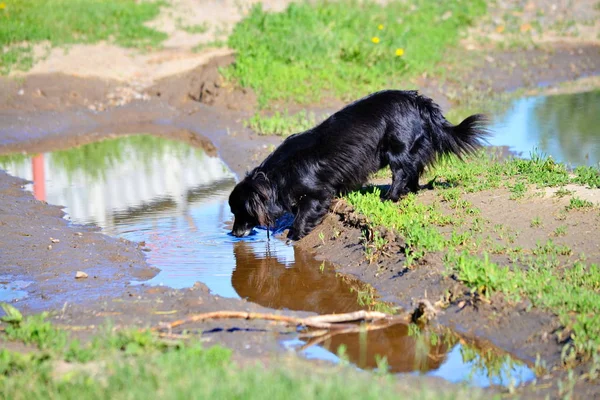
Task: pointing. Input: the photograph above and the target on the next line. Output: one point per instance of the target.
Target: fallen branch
(327, 321)
(328, 324)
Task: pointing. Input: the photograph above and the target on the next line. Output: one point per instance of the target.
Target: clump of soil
(205, 85)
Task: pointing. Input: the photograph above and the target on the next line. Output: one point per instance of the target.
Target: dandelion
(375, 39)
(399, 52)
(500, 28)
(2, 6)
(380, 27)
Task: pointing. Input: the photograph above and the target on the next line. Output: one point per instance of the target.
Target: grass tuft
(282, 124)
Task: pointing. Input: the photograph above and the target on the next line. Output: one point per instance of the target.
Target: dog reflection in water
(305, 286)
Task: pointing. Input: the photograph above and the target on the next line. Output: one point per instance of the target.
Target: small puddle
(566, 127)
(174, 198)
(12, 290)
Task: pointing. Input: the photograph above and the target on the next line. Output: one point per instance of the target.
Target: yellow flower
(399, 52)
(380, 27)
(375, 39)
(2, 6)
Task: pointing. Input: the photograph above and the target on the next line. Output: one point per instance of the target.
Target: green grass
(573, 294)
(546, 274)
(416, 222)
(576, 203)
(328, 47)
(135, 363)
(536, 222)
(588, 176)
(23, 23)
(282, 124)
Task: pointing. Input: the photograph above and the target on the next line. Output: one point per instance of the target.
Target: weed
(576, 203)
(281, 124)
(374, 247)
(562, 192)
(560, 231)
(536, 222)
(322, 238)
(366, 297)
(518, 190)
(481, 275)
(322, 267)
(383, 368)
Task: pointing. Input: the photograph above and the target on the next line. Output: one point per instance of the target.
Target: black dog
(401, 129)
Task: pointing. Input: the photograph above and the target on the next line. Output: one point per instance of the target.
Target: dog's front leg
(404, 180)
(310, 213)
(398, 187)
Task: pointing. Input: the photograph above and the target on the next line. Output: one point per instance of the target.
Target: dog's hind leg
(310, 213)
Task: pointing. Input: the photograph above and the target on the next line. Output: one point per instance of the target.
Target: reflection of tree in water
(571, 123)
(94, 159)
(9, 159)
(304, 285)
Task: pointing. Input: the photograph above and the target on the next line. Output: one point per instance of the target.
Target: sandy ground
(91, 92)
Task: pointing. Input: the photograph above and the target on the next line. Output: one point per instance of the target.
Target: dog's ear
(260, 197)
(260, 176)
(257, 206)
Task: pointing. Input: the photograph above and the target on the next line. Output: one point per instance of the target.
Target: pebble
(80, 275)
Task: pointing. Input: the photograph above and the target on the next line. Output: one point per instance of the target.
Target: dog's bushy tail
(446, 138)
(461, 139)
(464, 138)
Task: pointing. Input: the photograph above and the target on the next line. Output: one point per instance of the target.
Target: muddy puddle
(566, 127)
(173, 199)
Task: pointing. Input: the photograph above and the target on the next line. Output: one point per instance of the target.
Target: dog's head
(251, 203)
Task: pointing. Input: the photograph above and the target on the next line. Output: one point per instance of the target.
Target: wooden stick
(327, 321)
(361, 315)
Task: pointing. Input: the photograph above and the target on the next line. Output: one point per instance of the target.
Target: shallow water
(174, 198)
(566, 127)
(12, 290)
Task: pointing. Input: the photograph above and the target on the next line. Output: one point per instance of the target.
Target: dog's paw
(293, 235)
(391, 197)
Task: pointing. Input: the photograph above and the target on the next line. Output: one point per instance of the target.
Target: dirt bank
(514, 326)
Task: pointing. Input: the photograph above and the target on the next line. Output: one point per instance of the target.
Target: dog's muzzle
(241, 232)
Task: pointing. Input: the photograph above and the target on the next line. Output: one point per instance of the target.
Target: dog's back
(363, 137)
